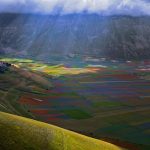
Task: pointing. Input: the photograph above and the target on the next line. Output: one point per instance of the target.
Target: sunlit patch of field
(16, 60)
(60, 70)
(53, 70)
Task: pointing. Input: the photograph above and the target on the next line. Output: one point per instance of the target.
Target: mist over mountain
(103, 7)
(41, 36)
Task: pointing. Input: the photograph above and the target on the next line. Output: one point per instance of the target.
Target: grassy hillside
(16, 82)
(18, 133)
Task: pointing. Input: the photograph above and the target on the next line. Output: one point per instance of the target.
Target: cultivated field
(110, 101)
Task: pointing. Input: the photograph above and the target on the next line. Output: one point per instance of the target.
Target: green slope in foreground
(19, 133)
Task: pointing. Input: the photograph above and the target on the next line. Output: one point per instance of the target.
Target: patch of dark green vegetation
(77, 114)
(107, 104)
(128, 133)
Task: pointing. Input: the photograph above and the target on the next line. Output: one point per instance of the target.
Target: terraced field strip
(145, 96)
(119, 112)
(98, 82)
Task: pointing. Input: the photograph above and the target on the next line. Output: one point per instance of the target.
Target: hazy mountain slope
(41, 36)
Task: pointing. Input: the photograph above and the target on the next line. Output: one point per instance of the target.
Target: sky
(104, 7)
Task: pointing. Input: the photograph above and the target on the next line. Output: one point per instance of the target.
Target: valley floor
(110, 101)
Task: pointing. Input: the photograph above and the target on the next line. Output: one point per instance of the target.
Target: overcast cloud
(105, 7)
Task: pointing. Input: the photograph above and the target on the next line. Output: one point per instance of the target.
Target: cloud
(105, 7)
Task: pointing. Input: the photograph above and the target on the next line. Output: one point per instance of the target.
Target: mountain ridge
(115, 37)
